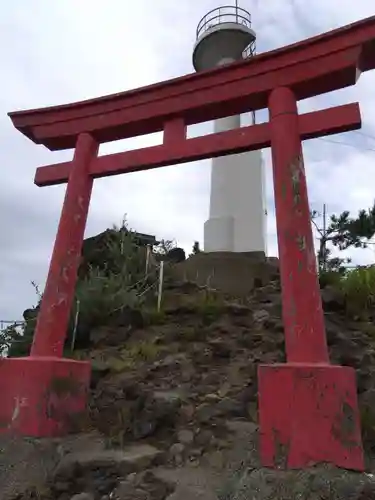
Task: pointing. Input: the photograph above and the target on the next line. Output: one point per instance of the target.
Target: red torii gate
(307, 407)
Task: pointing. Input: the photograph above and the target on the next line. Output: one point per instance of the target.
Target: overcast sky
(55, 52)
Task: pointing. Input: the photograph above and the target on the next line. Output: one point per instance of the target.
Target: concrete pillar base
(309, 414)
(41, 396)
(219, 234)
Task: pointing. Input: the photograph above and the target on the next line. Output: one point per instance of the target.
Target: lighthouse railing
(225, 14)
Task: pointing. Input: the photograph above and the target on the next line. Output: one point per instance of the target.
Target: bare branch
(317, 228)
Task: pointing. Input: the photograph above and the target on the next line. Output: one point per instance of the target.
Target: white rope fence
(4, 323)
(158, 284)
(160, 287)
(74, 336)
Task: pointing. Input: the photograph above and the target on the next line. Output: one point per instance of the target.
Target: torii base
(309, 414)
(42, 396)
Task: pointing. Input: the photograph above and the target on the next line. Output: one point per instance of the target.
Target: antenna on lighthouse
(236, 4)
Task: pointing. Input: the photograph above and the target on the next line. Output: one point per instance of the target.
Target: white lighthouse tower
(237, 216)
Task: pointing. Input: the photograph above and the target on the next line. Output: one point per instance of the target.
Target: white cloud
(63, 51)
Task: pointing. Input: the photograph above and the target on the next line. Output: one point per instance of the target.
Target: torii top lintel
(314, 66)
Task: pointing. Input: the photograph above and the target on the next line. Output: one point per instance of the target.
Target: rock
(177, 449)
(261, 315)
(83, 496)
(332, 299)
(368, 398)
(232, 408)
(212, 397)
(186, 436)
(117, 461)
(324, 482)
(237, 309)
(203, 376)
(248, 394)
(209, 379)
(187, 373)
(215, 459)
(144, 427)
(204, 437)
(220, 348)
(367, 491)
(188, 411)
(224, 389)
(146, 486)
(159, 408)
(127, 491)
(241, 427)
(333, 333)
(132, 478)
(176, 452)
(172, 360)
(98, 372)
(171, 398)
(205, 412)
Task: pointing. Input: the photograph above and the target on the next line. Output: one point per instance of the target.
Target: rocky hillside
(173, 407)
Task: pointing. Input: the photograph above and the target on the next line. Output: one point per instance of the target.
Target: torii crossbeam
(307, 407)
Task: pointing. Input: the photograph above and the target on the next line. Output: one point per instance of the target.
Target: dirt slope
(173, 407)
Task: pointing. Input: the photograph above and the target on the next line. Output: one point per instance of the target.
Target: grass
(367, 328)
(143, 351)
(367, 417)
(210, 307)
(358, 288)
(154, 317)
(330, 278)
(127, 358)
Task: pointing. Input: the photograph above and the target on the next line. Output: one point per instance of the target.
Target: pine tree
(196, 248)
(343, 232)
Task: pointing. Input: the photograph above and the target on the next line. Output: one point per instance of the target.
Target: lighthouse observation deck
(223, 35)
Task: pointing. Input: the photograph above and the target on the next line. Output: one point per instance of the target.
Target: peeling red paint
(309, 414)
(301, 242)
(57, 299)
(45, 408)
(297, 172)
(305, 405)
(302, 309)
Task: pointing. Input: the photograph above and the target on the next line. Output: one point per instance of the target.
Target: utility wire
(357, 146)
(342, 143)
(364, 134)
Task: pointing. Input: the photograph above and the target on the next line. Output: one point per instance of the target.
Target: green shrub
(9, 336)
(144, 351)
(154, 317)
(112, 279)
(367, 418)
(358, 287)
(210, 307)
(330, 278)
(105, 292)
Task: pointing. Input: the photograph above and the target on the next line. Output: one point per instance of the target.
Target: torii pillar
(308, 408)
